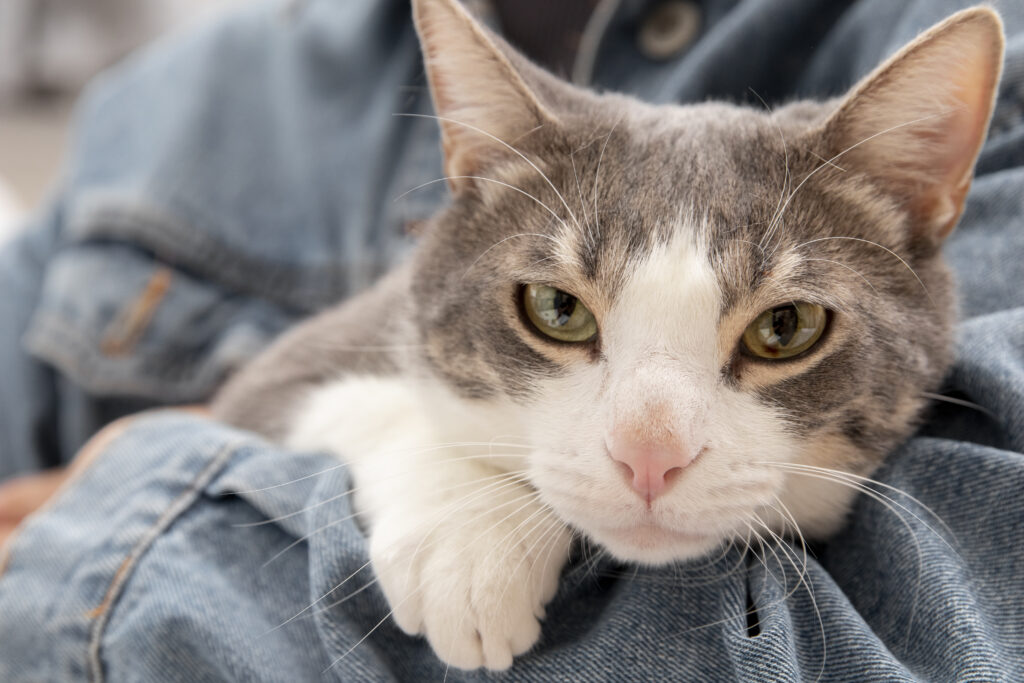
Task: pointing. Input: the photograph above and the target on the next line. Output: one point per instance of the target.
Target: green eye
(785, 331)
(558, 314)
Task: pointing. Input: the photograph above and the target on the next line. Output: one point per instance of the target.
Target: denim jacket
(235, 178)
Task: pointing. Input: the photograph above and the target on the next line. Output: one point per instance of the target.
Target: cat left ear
(482, 101)
(919, 120)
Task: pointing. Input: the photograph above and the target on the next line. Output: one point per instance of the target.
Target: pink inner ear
(962, 135)
(933, 100)
(481, 98)
(953, 148)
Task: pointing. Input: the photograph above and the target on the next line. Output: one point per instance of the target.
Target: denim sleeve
(213, 194)
(137, 571)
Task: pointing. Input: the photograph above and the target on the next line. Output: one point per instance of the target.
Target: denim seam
(118, 217)
(124, 572)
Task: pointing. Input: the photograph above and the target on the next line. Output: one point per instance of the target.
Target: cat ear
(482, 100)
(918, 122)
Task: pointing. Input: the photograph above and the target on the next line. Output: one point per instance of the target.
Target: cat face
(684, 306)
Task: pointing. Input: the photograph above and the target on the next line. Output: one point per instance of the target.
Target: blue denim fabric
(236, 178)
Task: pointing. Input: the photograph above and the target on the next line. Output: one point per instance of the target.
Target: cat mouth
(652, 534)
(652, 543)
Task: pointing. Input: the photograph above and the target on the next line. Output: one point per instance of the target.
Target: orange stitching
(126, 329)
(112, 591)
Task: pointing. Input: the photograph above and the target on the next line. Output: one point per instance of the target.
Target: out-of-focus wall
(48, 50)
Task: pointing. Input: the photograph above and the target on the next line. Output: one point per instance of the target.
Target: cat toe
(497, 654)
(455, 641)
(397, 571)
(523, 636)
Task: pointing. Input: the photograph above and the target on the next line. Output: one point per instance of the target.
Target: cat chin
(654, 545)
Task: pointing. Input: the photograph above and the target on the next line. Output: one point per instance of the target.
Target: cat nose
(652, 465)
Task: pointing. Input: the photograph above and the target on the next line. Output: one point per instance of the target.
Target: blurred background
(49, 49)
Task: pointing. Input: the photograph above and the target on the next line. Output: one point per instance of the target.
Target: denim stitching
(124, 572)
(125, 330)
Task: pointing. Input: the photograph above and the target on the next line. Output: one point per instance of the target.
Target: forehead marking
(670, 302)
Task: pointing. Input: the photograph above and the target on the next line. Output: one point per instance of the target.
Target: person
(234, 179)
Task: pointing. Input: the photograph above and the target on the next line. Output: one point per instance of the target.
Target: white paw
(475, 582)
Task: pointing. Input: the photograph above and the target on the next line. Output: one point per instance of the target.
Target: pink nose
(652, 466)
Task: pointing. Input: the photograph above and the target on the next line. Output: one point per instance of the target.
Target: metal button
(669, 29)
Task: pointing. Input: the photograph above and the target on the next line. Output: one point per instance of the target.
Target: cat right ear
(919, 120)
(483, 103)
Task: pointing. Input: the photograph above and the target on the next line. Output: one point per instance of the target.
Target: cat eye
(558, 314)
(785, 331)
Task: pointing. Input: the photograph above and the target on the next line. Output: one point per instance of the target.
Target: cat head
(687, 307)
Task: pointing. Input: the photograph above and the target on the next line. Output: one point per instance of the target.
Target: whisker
(392, 611)
(506, 145)
(850, 149)
(349, 578)
(959, 402)
(868, 480)
(826, 161)
(786, 178)
(803, 575)
(583, 206)
(768, 572)
(874, 244)
(889, 503)
(843, 265)
(458, 505)
(351, 491)
(597, 174)
(346, 518)
(411, 451)
(502, 241)
(552, 523)
(490, 180)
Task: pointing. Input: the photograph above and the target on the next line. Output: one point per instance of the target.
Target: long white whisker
(502, 241)
(306, 537)
(356, 489)
(583, 205)
(802, 577)
(889, 503)
(392, 611)
(540, 511)
(868, 480)
(843, 265)
(846, 151)
(786, 178)
(506, 145)
(411, 451)
(490, 180)
(446, 513)
(875, 244)
(335, 588)
(959, 402)
(597, 175)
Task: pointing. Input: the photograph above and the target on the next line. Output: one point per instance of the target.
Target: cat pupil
(784, 324)
(563, 305)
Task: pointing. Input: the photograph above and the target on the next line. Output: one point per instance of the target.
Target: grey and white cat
(642, 324)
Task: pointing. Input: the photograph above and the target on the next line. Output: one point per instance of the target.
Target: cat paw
(476, 584)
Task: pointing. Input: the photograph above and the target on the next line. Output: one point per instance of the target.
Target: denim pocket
(119, 322)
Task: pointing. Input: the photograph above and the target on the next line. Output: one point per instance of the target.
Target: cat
(646, 325)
